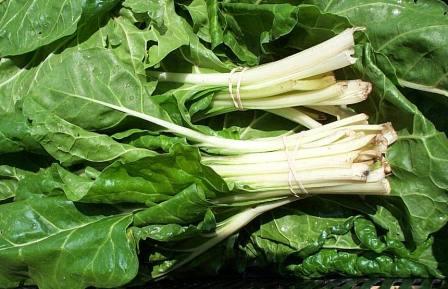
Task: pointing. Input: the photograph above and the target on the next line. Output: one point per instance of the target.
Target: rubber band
(236, 100)
(292, 175)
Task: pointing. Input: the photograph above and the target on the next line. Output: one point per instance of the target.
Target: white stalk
(276, 143)
(333, 138)
(380, 188)
(286, 66)
(343, 92)
(367, 155)
(300, 153)
(376, 175)
(339, 61)
(339, 111)
(297, 116)
(328, 128)
(357, 172)
(291, 99)
(358, 92)
(205, 141)
(261, 90)
(316, 115)
(337, 161)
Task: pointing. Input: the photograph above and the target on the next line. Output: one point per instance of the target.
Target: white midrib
(173, 127)
(422, 87)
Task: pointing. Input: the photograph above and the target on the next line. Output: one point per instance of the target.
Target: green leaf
(296, 237)
(15, 134)
(9, 181)
(70, 144)
(198, 12)
(67, 77)
(51, 243)
(27, 25)
(346, 263)
(248, 28)
(413, 35)
(129, 43)
(169, 32)
(7, 78)
(151, 180)
(418, 158)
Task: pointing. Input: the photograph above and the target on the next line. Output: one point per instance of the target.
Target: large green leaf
(330, 261)
(413, 34)
(247, 28)
(128, 42)
(68, 78)
(70, 144)
(50, 242)
(288, 236)
(419, 158)
(15, 134)
(27, 25)
(9, 181)
(151, 180)
(198, 12)
(169, 32)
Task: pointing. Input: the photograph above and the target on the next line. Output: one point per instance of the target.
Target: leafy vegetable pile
(144, 139)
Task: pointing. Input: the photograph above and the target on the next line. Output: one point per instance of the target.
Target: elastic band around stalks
(292, 172)
(236, 100)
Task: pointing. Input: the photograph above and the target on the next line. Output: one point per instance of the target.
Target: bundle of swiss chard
(142, 140)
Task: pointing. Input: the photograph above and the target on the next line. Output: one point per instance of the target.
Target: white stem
(289, 99)
(300, 153)
(376, 175)
(299, 61)
(206, 141)
(343, 92)
(261, 90)
(356, 119)
(367, 155)
(297, 116)
(338, 111)
(356, 92)
(357, 172)
(332, 138)
(337, 161)
(380, 188)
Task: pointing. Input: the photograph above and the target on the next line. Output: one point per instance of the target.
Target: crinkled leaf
(70, 144)
(247, 28)
(413, 34)
(169, 32)
(68, 85)
(59, 245)
(151, 180)
(27, 25)
(330, 261)
(15, 134)
(419, 158)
